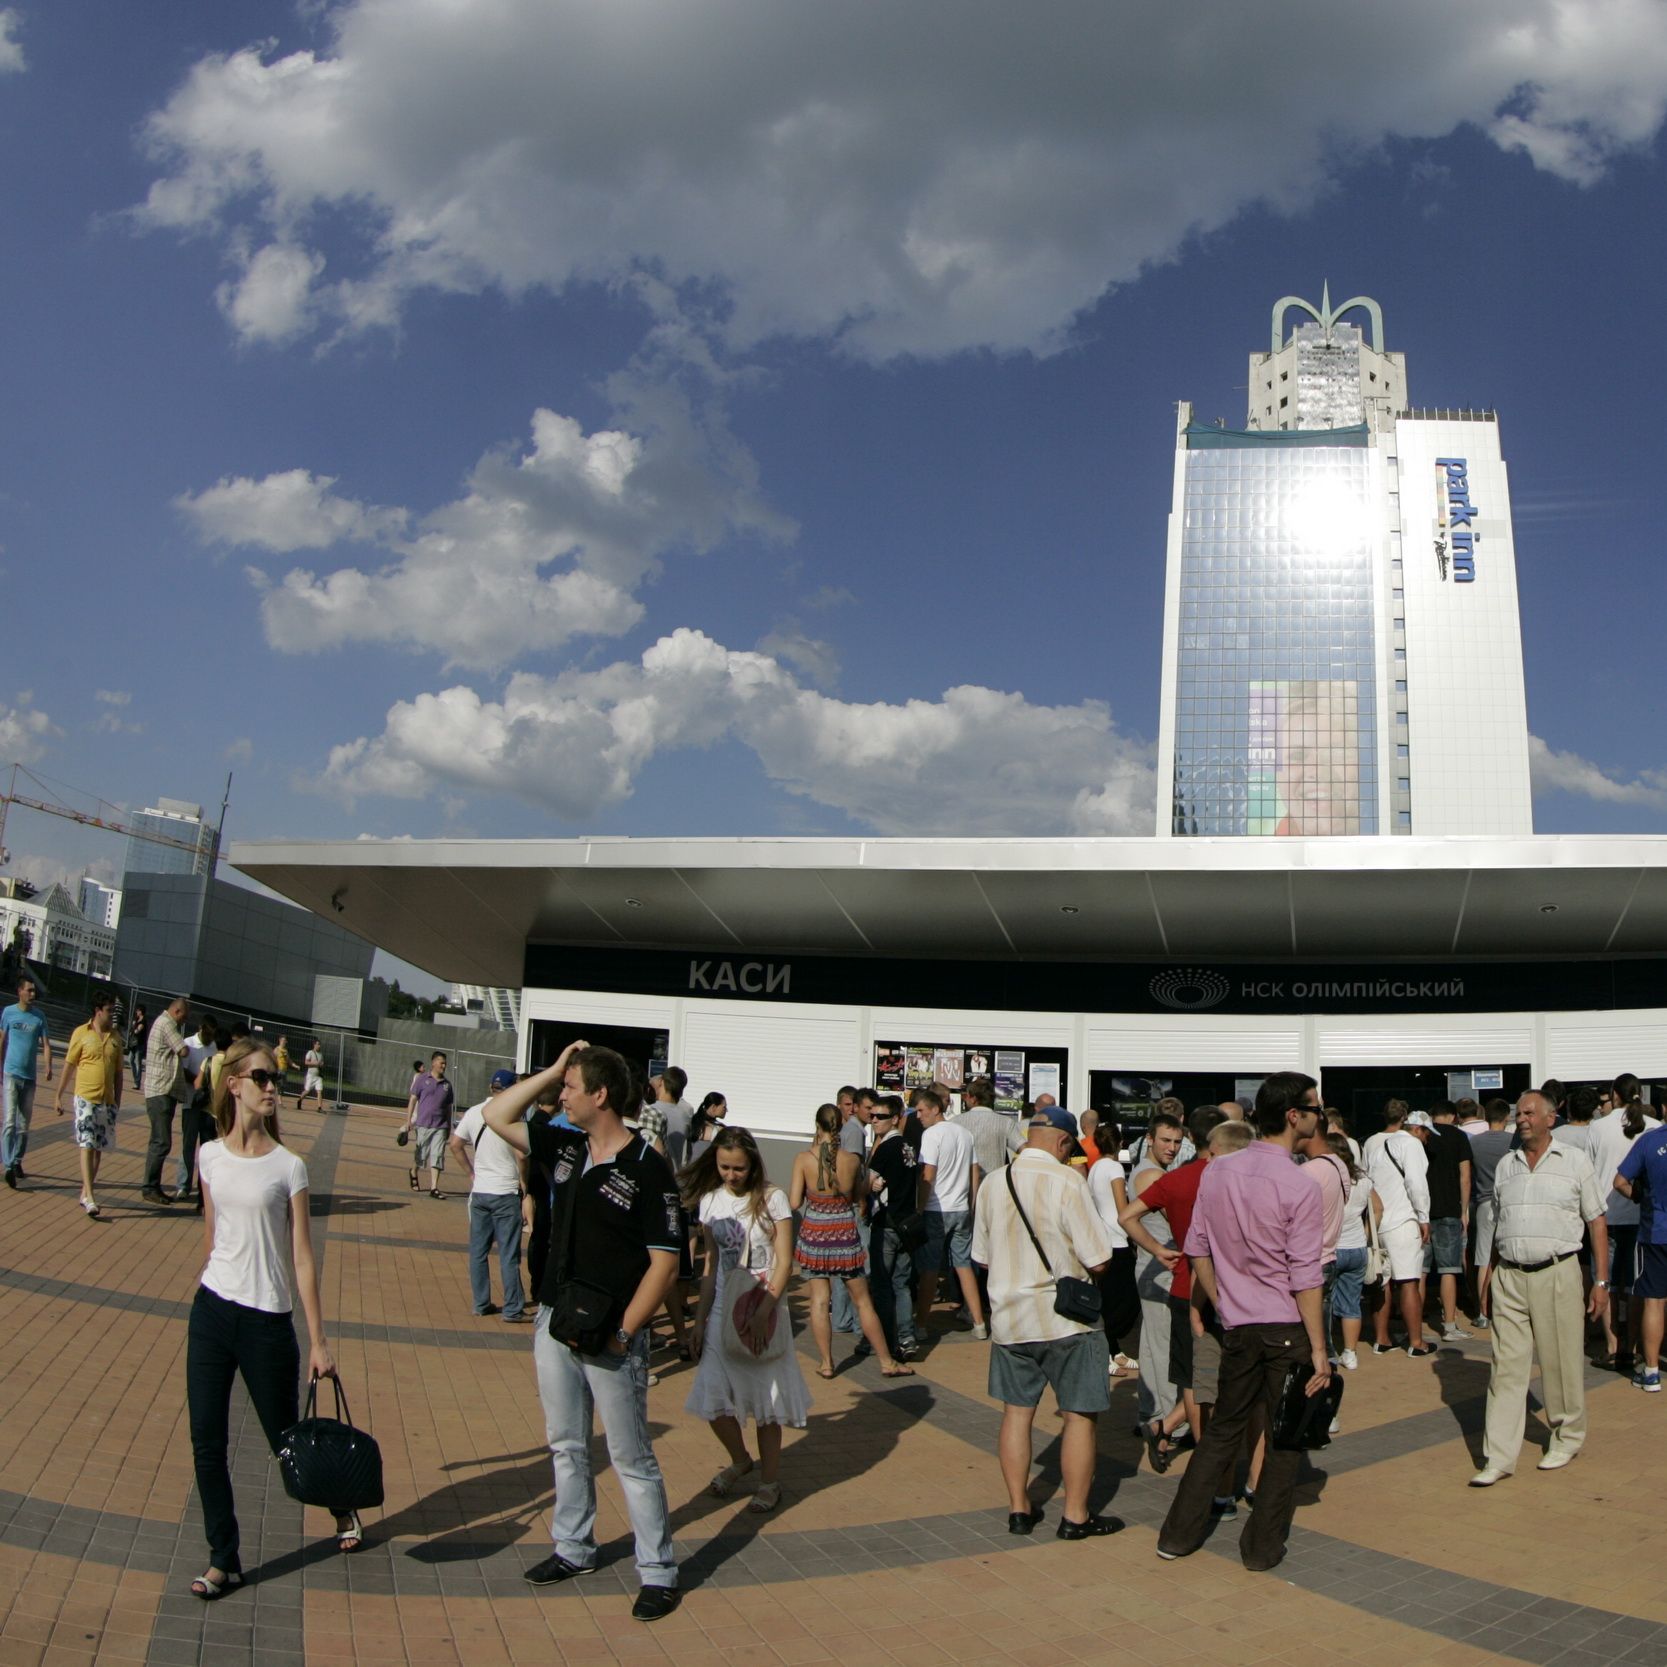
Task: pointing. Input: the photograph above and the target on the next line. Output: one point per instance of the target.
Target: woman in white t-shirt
(1119, 1298)
(255, 1221)
(748, 1226)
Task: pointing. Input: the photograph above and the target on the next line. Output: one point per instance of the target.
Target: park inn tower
(1342, 650)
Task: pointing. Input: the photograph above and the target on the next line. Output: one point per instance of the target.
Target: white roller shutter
(1586, 1047)
(1193, 1042)
(1427, 1039)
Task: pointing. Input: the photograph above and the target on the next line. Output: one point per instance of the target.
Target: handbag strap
(1026, 1220)
(343, 1416)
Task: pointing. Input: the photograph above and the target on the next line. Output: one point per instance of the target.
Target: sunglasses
(260, 1077)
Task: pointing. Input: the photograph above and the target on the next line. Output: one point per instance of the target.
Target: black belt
(1537, 1267)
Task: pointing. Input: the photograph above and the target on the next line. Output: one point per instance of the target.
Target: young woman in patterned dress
(825, 1181)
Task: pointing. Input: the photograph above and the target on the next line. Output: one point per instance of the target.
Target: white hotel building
(1344, 877)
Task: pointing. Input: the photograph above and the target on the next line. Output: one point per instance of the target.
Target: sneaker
(1650, 1382)
(981, 1332)
(1482, 1322)
(1453, 1332)
(11, 1179)
(654, 1603)
(1422, 1352)
(490, 1308)
(1385, 1348)
(1336, 1428)
(1224, 1508)
(553, 1569)
(1348, 1360)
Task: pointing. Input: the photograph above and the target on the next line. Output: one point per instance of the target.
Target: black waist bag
(1073, 1299)
(326, 1461)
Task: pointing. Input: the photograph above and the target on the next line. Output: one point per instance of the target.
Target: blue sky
(507, 417)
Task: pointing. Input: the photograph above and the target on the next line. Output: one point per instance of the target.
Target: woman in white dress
(748, 1228)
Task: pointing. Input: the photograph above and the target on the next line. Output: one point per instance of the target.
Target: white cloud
(545, 544)
(11, 49)
(907, 178)
(272, 300)
(294, 510)
(111, 719)
(1567, 772)
(975, 761)
(815, 660)
(240, 751)
(24, 730)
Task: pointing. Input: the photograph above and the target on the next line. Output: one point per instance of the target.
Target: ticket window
(1360, 1092)
(646, 1049)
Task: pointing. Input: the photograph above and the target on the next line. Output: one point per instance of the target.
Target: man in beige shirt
(165, 1087)
(1033, 1346)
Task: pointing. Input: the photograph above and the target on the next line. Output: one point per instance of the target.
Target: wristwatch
(1600, 1284)
(623, 1337)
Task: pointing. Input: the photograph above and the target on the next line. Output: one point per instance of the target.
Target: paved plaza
(890, 1544)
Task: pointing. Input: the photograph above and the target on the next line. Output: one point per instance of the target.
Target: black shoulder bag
(1073, 1299)
(329, 1461)
(581, 1316)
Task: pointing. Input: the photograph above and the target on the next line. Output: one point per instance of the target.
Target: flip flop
(211, 1590)
(825, 1372)
(351, 1537)
(898, 1370)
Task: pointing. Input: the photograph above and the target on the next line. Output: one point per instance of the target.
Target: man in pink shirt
(1255, 1245)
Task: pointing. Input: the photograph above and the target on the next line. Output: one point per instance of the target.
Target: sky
(541, 418)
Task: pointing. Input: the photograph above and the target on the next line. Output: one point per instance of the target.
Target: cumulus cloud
(912, 179)
(1567, 772)
(11, 49)
(975, 761)
(24, 730)
(546, 543)
(112, 716)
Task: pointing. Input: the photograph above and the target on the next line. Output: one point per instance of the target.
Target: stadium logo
(1190, 989)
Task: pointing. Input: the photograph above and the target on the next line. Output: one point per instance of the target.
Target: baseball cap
(1054, 1117)
(502, 1080)
(1419, 1120)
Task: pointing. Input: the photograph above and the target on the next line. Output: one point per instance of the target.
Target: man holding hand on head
(613, 1194)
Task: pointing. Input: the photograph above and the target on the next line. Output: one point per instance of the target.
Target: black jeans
(160, 1109)
(196, 1126)
(1254, 1361)
(223, 1339)
(1119, 1300)
(893, 1286)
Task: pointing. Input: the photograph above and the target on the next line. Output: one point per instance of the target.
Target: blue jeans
(572, 1386)
(893, 1288)
(495, 1216)
(844, 1310)
(1346, 1288)
(14, 1135)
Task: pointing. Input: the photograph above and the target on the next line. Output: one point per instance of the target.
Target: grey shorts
(431, 1148)
(1194, 1362)
(1078, 1369)
(948, 1241)
(1445, 1251)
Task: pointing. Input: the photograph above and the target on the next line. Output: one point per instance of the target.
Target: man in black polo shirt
(1447, 1152)
(614, 1229)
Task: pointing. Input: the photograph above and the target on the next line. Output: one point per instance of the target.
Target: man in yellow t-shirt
(94, 1064)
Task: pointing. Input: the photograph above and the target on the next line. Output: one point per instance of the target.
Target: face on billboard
(1304, 759)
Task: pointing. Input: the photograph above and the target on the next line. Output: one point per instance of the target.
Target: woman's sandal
(1159, 1450)
(351, 1537)
(766, 1499)
(827, 1372)
(436, 1193)
(208, 1590)
(897, 1370)
(723, 1484)
(415, 1183)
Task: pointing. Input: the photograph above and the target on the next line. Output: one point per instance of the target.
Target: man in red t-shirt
(1194, 1336)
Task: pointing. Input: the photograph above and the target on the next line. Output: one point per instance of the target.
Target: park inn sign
(1107, 987)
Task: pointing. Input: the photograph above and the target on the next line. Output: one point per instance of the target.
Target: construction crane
(109, 824)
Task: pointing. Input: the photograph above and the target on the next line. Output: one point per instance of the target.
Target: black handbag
(1073, 1299)
(328, 1461)
(1302, 1422)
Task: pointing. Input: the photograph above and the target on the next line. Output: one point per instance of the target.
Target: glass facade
(1276, 684)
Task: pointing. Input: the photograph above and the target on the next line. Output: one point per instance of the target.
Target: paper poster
(1044, 1079)
(946, 1068)
(1010, 1081)
(978, 1064)
(919, 1070)
(889, 1065)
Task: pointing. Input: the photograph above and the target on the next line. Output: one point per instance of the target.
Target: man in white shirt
(949, 1177)
(1395, 1160)
(1034, 1345)
(494, 1169)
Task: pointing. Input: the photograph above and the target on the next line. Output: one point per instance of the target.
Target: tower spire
(1325, 307)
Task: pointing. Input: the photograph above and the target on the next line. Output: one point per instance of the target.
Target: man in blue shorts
(1643, 1177)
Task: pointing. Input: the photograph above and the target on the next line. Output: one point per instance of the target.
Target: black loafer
(1022, 1522)
(1090, 1530)
(554, 1568)
(654, 1603)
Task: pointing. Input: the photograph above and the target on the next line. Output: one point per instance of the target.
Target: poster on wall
(1010, 1080)
(889, 1065)
(919, 1070)
(1304, 758)
(1044, 1079)
(947, 1065)
(978, 1064)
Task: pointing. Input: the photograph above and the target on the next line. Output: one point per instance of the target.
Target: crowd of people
(1238, 1248)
